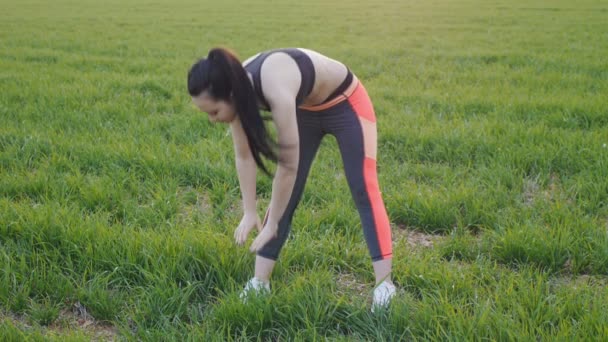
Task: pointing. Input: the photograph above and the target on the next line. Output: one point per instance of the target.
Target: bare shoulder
(280, 77)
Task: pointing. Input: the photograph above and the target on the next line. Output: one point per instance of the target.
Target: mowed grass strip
(118, 199)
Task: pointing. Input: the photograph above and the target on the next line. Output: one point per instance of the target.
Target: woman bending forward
(309, 95)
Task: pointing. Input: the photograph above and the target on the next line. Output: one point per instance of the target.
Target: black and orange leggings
(350, 118)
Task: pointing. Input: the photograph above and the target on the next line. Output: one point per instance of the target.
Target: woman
(309, 95)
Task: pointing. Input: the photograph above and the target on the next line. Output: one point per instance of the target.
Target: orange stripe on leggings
(383, 230)
(362, 105)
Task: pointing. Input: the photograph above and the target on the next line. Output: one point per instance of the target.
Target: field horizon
(118, 199)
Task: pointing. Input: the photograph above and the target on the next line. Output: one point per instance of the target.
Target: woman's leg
(310, 136)
(263, 268)
(354, 125)
(382, 270)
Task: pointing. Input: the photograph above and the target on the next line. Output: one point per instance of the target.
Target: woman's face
(218, 110)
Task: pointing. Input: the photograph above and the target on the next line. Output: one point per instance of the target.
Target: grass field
(118, 199)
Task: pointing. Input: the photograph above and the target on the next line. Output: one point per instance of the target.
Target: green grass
(118, 196)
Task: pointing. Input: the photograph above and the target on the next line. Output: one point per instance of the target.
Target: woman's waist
(342, 92)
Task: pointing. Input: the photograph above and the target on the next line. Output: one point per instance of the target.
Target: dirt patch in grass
(77, 318)
(194, 202)
(414, 238)
(581, 280)
(70, 320)
(532, 191)
(348, 284)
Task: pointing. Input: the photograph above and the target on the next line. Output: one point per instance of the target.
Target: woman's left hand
(268, 233)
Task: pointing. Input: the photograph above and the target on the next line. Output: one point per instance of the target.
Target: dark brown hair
(223, 76)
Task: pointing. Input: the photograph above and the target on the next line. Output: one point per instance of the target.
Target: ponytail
(224, 77)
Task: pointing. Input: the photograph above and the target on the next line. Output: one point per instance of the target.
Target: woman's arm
(285, 175)
(246, 170)
(245, 166)
(280, 88)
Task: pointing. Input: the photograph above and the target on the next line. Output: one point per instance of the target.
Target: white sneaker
(254, 287)
(383, 294)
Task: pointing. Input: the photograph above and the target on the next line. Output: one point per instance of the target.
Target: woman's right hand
(248, 221)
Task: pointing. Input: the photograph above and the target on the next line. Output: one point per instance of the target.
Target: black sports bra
(304, 63)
